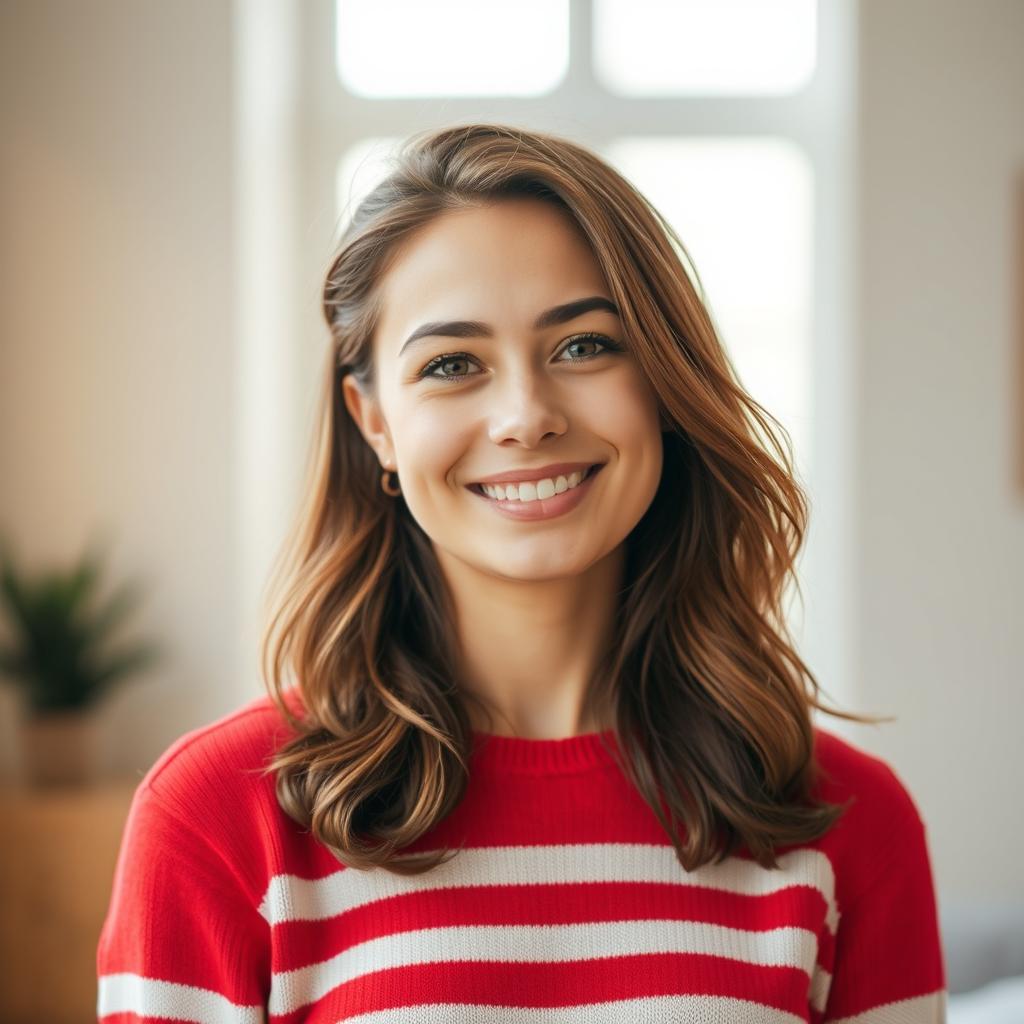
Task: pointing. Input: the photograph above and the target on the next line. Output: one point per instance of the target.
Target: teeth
(532, 490)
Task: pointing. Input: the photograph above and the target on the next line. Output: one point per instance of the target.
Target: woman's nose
(525, 410)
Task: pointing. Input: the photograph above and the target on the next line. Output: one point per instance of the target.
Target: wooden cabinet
(57, 858)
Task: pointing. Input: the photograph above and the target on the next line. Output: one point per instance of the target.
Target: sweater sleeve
(183, 939)
(888, 955)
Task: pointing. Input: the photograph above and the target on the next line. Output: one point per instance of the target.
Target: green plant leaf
(124, 662)
(119, 604)
(16, 597)
(58, 657)
(77, 587)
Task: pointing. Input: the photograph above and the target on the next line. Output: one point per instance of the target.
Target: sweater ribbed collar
(519, 755)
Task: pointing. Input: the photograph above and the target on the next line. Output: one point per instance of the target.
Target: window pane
(704, 47)
(743, 209)
(390, 48)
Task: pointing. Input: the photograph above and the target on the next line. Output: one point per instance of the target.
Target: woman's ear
(367, 415)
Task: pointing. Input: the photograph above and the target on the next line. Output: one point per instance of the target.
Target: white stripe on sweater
(147, 997)
(290, 898)
(929, 1009)
(650, 1010)
(786, 947)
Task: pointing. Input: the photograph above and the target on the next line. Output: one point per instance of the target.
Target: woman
(537, 746)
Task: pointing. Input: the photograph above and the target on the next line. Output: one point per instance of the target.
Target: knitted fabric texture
(566, 903)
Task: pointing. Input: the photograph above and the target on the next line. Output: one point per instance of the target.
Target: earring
(391, 489)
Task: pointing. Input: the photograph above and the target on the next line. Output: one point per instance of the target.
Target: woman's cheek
(434, 444)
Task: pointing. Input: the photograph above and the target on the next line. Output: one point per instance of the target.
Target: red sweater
(566, 906)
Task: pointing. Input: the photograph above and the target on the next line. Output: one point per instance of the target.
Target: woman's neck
(530, 650)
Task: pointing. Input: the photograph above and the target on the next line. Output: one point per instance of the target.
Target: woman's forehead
(487, 265)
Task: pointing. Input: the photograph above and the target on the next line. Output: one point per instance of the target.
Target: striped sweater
(566, 903)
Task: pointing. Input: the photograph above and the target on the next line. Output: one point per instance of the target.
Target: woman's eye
(589, 339)
(453, 366)
(456, 359)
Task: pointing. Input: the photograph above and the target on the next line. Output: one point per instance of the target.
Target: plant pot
(59, 748)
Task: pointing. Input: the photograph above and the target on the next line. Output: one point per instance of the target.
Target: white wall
(120, 389)
(940, 540)
(116, 349)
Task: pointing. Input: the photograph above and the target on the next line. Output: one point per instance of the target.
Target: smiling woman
(537, 746)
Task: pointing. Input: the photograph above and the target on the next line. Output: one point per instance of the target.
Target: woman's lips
(542, 508)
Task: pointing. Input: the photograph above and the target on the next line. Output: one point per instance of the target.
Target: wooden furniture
(57, 858)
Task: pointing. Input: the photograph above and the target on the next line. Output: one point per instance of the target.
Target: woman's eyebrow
(476, 329)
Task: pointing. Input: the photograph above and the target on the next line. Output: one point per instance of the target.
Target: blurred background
(849, 180)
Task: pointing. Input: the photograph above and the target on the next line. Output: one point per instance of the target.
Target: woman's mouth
(538, 499)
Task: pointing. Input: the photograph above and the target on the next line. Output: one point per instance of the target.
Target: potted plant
(58, 655)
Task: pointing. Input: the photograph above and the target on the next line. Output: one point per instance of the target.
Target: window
(743, 209)
(472, 48)
(704, 47)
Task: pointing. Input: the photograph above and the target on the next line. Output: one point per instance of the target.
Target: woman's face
(509, 393)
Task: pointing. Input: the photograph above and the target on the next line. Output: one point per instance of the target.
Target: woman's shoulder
(222, 764)
(881, 828)
(846, 771)
(209, 802)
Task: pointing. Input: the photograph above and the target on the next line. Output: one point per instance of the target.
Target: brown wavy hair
(711, 700)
